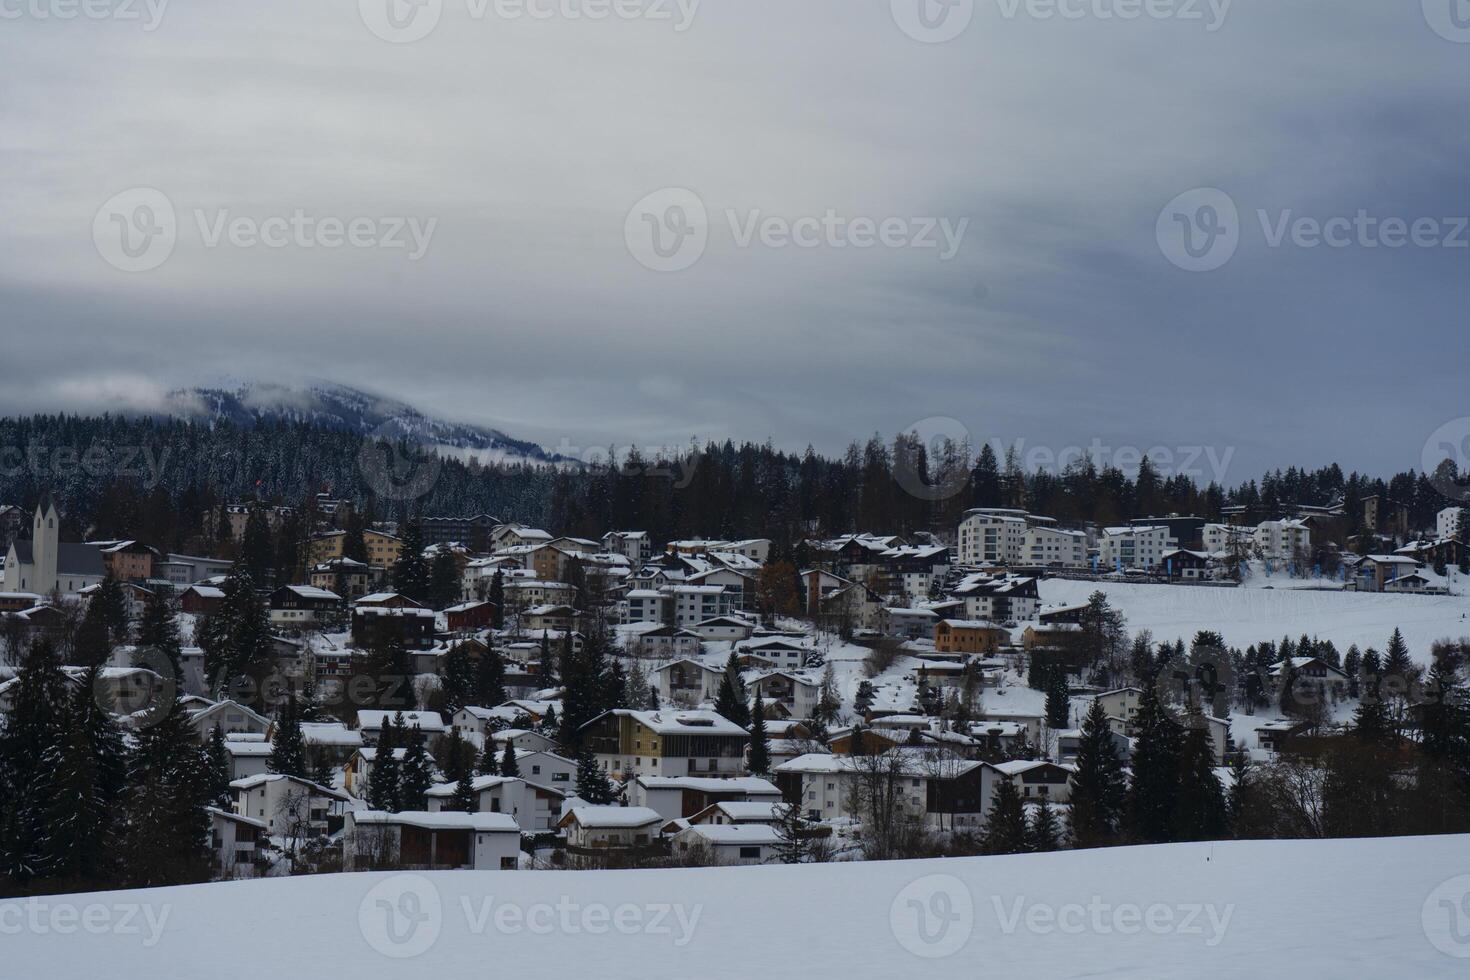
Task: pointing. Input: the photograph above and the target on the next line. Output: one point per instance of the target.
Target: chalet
(289, 806)
(1276, 736)
(1315, 673)
(303, 606)
(235, 841)
(231, 717)
(1063, 614)
(666, 743)
(661, 642)
(685, 796)
(1188, 566)
(371, 723)
(729, 844)
(18, 601)
(598, 830)
(248, 755)
(127, 561)
(421, 840)
(344, 576)
(329, 740)
(999, 599)
(1122, 704)
(1070, 740)
(688, 682)
(1373, 573)
(372, 624)
(493, 794)
(1034, 781)
(798, 693)
(469, 617)
(777, 651)
(969, 636)
(201, 600)
(911, 624)
(723, 628)
(550, 617)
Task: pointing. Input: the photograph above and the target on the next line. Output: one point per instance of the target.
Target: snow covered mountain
(337, 406)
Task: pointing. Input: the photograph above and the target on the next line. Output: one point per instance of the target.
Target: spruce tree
(384, 782)
(1005, 824)
(1044, 833)
(168, 836)
(158, 631)
(37, 721)
(460, 770)
(593, 784)
(444, 578)
(1099, 788)
(862, 701)
(1155, 770)
(460, 675)
(1199, 801)
(1058, 699)
(760, 748)
(288, 749)
(417, 775)
(219, 769)
(730, 699)
(410, 571)
(490, 679)
(489, 759)
(256, 553)
(497, 600)
(508, 764)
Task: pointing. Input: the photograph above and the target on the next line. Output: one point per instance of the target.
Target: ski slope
(1361, 909)
(1249, 615)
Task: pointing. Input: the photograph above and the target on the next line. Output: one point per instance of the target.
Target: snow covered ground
(1251, 614)
(1302, 909)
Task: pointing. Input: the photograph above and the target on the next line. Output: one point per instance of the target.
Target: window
(750, 852)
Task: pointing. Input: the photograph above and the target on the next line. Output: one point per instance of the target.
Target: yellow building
(382, 549)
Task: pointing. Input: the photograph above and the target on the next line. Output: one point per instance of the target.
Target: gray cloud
(1059, 320)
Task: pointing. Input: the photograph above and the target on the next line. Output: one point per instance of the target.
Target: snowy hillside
(337, 406)
(1361, 909)
(1249, 615)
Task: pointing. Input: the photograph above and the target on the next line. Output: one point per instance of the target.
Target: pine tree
(168, 837)
(760, 749)
(862, 701)
(288, 749)
(497, 599)
(410, 571)
(444, 578)
(37, 722)
(592, 782)
(490, 679)
(236, 638)
(1155, 770)
(1044, 832)
(384, 780)
(508, 764)
(1098, 789)
(159, 632)
(460, 676)
(256, 553)
(1058, 699)
(489, 759)
(1199, 802)
(460, 770)
(219, 769)
(417, 774)
(730, 699)
(794, 844)
(1005, 824)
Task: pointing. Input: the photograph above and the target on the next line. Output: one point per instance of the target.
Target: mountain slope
(340, 407)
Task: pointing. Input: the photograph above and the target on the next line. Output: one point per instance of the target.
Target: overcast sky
(1063, 317)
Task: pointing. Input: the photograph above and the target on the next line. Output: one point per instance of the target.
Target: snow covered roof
(613, 817)
(428, 721)
(260, 779)
(684, 722)
(747, 834)
(480, 823)
(710, 784)
(329, 733)
(478, 784)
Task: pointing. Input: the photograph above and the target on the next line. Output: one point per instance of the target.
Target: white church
(43, 564)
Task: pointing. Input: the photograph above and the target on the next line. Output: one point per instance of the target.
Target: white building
(420, 839)
(1281, 540)
(42, 564)
(1447, 523)
(288, 805)
(1051, 547)
(992, 535)
(745, 843)
(1140, 547)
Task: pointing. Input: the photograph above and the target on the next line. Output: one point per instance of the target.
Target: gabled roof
(611, 817)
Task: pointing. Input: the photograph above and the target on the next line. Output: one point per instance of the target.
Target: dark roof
(71, 559)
